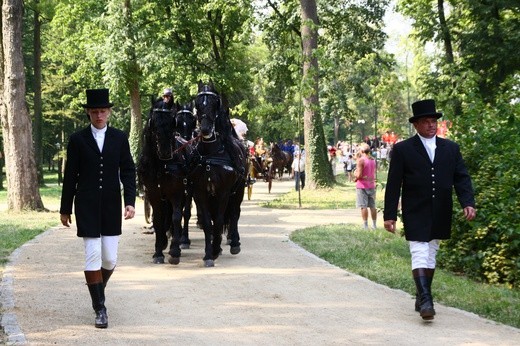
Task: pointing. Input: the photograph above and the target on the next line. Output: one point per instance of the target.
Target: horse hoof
(158, 260)
(235, 250)
(174, 260)
(185, 246)
(209, 263)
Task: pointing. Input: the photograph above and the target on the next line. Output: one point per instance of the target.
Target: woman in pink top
(366, 185)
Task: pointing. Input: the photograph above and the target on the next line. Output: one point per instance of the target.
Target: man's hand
(129, 212)
(470, 213)
(390, 226)
(66, 220)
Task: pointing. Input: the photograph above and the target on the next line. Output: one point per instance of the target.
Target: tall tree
(121, 44)
(38, 115)
(22, 182)
(318, 171)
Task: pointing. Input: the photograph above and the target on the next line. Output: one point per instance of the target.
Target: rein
(184, 142)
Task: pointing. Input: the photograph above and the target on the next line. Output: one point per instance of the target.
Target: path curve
(272, 293)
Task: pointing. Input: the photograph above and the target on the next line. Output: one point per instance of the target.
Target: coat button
(100, 187)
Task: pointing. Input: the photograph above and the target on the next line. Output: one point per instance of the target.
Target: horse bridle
(206, 93)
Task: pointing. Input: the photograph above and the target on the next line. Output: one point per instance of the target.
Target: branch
(283, 18)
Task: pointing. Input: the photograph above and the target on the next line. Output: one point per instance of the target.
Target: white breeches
(101, 252)
(424, 253)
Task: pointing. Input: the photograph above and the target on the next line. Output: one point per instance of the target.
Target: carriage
(211, 167)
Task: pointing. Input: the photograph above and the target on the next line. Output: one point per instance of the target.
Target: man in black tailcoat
(423, 171)
(98, 162)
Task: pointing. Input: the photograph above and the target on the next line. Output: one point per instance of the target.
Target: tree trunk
(318, 171)
(136, 121)
(38, 117)
(22, 182)
(448, 50)
(132, 82)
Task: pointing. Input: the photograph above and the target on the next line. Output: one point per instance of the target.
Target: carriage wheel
(147, 210)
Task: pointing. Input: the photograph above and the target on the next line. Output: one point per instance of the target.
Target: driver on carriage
(260, 151)
(166, 101)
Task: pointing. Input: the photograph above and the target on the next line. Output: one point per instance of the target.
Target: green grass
(341, 196)
(384, 258)
(18, 228)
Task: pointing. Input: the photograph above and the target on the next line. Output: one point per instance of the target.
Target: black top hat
(424, 108)
(97, 98)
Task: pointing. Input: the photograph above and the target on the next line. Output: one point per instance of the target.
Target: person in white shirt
(298, 170)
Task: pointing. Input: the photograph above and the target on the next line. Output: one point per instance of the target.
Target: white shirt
(99, 136)
(430, 144)
(298, 165)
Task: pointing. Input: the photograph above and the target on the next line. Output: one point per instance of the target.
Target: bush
(489, 247)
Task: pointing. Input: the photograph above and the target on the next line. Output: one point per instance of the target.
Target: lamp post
(376, 139)
(361, 122)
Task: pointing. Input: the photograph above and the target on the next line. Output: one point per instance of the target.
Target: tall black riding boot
(423, 288)
(429, 275)
(97, 293)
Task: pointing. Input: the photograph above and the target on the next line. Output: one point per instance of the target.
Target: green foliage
(342, 195)
(489, 247)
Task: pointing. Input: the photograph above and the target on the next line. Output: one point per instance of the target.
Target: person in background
(366, 185)
(332, 157)
(166, 101)
(298, 170)
(98, 162)
(423, 171)
(349, 165)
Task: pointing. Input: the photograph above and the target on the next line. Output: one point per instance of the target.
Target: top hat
(97, 98)
(424, 108)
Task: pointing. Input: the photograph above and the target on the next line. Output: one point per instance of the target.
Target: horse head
(207, 104)
(162, 127)
(186, 120)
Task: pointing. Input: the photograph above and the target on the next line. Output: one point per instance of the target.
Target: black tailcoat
(93, 179)
(426, 188)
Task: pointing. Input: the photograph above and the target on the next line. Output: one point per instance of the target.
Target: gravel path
(272, 293)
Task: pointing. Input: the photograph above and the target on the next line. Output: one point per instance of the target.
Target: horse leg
(218, 226)
(234, 215)
(204, 219)
(186, 215)
(175, 250)
(161, 240)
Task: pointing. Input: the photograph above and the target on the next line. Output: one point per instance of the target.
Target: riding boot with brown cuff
(106, 275)
(423, 283)
(429, 275)
(97, 293)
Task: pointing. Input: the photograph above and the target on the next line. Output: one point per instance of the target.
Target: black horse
(162, 171)
(187, 123)
(218, 173)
